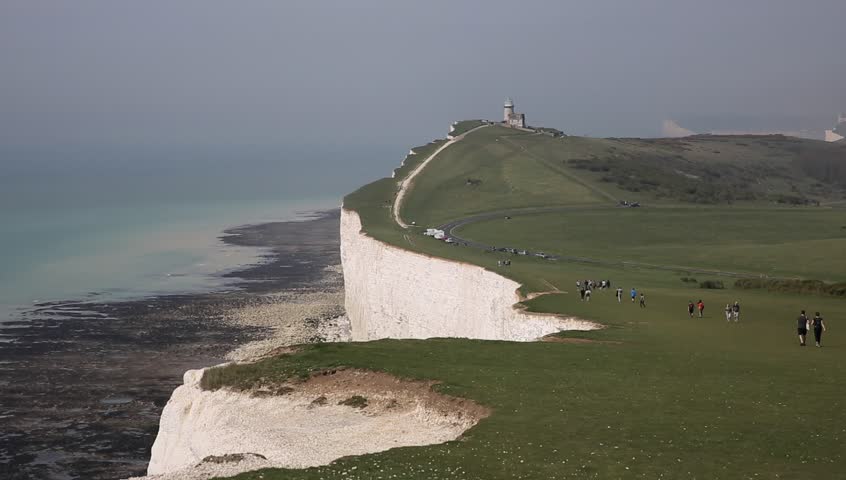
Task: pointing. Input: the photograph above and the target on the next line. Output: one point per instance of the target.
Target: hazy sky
(392, 72)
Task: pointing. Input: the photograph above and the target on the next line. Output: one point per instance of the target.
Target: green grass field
(489, 171)
(656, 394)
(786, 242)
(675, 398)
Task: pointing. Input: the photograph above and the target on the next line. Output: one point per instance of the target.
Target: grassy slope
(786, 242)
(704, 169)
(463, 127)
(509, 178)
(675, 398)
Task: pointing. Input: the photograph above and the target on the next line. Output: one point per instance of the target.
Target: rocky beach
(83, 383)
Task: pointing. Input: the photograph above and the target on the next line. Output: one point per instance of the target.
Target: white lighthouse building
(511, 119)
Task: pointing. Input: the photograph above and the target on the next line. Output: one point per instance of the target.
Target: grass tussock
(356, 401)
(712, 284)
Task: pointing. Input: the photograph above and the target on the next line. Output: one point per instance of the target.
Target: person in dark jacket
(819, 327)
(802, 327)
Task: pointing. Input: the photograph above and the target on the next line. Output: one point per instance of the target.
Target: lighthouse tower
(511, 119)
(508, 110)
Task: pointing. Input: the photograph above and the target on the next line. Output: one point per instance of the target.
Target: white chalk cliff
(304, 428)
(390, 292)
(395, 293)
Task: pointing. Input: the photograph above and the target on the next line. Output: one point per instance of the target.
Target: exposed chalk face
(312, 425)
(389, 293)
(395, 293)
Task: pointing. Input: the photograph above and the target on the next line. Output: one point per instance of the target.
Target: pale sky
(388, 72)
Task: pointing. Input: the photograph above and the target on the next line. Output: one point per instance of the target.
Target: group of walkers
(805, 324)
(633, 294)
(732, 310)
(586, 287)
(700, 305)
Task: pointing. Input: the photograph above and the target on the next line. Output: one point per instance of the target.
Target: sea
(119, 223)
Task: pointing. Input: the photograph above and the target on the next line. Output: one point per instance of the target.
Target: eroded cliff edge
(395, 293)
(312, 424)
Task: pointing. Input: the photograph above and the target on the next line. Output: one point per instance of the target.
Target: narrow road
(406, 184)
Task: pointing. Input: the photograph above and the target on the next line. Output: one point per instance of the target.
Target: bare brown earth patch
(302, 423)
(381, 391)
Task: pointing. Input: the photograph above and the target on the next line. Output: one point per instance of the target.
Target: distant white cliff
(395, 293)
(839, 131)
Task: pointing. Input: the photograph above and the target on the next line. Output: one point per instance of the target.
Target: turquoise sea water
(123, 223)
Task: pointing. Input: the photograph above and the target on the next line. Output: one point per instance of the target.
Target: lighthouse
(511, 119)
(508, 110)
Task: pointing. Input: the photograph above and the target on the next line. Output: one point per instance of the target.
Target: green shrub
(712, 284)
(807, 287)
(356, 401)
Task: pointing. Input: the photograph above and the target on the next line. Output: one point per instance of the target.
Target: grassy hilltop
(657, 394)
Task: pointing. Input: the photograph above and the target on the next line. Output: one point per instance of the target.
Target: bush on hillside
(771, 168)
(712, 284)
(808, 287)
(792, 199)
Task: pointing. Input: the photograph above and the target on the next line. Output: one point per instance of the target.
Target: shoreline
(84, 383)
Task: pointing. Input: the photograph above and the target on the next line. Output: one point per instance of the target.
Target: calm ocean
(119, 224)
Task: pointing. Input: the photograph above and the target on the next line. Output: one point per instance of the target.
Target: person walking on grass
(728, 312)
(735, 311)
(582, 292)
(690, 308)
(642, 300)
(802, 328)
(634, 294)
(619, 295)
(701, 306)
(587, 295)
(819, 327)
